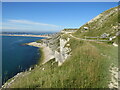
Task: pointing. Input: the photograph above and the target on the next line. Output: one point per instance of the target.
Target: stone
(104, 35)
(43, 69)
(68, 45)
(114, 44)
(86, 28)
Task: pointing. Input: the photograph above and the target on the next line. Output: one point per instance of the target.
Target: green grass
(40, 61)
(86, 68)
(39, 41)
(70, 29)
(97, 28)
(65, 36)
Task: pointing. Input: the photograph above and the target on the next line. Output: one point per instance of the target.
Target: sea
(17, 57)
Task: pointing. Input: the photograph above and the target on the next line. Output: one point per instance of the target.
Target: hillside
(104, 25)
(79, 61)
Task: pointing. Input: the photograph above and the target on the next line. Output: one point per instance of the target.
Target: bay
(17, 57)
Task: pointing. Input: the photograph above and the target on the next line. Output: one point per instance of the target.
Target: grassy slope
(104, 24)
(87, 67)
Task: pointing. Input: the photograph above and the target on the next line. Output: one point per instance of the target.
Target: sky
(49, 16)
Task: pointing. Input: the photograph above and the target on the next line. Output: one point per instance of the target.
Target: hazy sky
(49, 16)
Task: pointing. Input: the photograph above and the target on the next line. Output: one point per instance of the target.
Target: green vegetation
(106, 23)
(85, 68)
(40, 61)
(39, 41)
(65, 36)
(70, 29)
(88, 65)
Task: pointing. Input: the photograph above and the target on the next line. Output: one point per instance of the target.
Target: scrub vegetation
(88, 65)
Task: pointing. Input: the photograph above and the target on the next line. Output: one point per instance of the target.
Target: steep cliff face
(64, 51)
(60, 49)
(58, 46)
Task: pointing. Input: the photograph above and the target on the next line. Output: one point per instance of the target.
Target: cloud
(9, 28)
(32, 23)
(27, 25)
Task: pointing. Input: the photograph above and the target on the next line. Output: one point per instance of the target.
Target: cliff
(80, 58)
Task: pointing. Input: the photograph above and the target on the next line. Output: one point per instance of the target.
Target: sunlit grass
(85, 68)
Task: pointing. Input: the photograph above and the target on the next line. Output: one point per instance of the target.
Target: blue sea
(17, 57)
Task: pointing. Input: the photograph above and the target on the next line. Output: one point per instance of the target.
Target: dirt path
(87, 39)
(113, 70)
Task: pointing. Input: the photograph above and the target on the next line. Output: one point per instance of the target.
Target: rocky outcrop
(54, 47)
(64, 51)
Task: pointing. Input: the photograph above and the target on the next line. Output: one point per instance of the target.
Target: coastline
(45, 56)
(47, 52)
(25, 35)
(77, 62)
